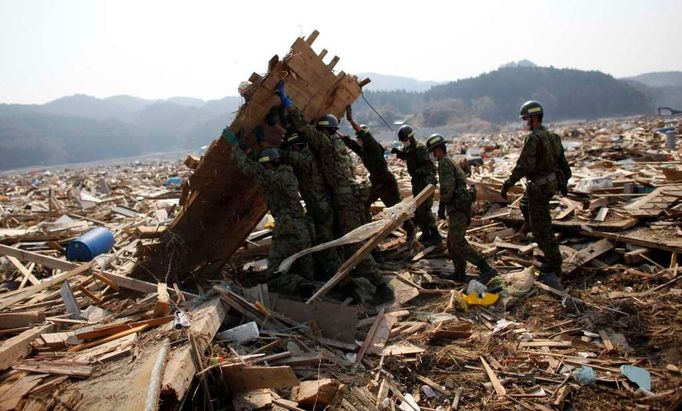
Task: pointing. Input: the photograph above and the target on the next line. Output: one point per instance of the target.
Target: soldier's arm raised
(248, 166)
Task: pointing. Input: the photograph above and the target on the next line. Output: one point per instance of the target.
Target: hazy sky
(160, 49)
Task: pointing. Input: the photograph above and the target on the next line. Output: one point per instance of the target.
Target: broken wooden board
(21, 319)
(319, 393)
(20, 345)
(242, 377)
(654, 203)
(665, 238)
(222, 206)
(335, 321)
(585, 255)
(180, 368)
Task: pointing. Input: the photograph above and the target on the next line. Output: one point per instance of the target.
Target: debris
(584, 375)
(241, 334)
(638, 375)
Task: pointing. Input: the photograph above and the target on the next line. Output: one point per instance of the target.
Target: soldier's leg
(523, 206)
(460, 249)
(541, 225)
(328, 259)
(285, 283)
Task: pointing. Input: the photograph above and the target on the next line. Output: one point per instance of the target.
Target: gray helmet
(531, 108)
(435, 140)
(269, 155)
(327, 121)
(405, 132)
(292, 137)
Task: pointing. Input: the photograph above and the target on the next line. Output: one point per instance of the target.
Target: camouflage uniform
(423, 172)
(348, 202)
(292, 230)
(543, 163)
(318, 205)
(384, 184)
(455, 195)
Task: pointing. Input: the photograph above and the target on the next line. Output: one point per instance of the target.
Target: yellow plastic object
(270, 222)
(485, 300)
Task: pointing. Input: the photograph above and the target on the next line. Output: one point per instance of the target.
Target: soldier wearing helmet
(456, 200)
(292, 232)
(543, 163)
(423, 172)
(366, 282)
(371, 152)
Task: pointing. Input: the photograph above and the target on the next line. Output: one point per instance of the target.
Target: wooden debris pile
(90, 335)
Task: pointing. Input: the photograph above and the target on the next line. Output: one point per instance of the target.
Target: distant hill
(495, 97)
(386, 82)
(659, 78)
(664, 88)
(83, 128)
(520, 63)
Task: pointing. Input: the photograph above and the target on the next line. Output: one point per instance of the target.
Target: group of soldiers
(313, 164)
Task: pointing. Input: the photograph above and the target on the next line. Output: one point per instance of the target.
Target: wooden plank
(55, 367)
(95, 343)
(369, 339)
(28, 275)
(21, 319)
(369, 245)
(162, 305)
(499, 389)
(601, 214)
(20, 345)
(180, 368)
(242, 377)
(117, 328)
(12, 398)
(587, 254)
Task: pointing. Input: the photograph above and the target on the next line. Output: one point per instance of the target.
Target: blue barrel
(91, 244)
(174, 181)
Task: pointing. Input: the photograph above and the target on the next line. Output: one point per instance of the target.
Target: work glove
(282, 94)
(441, 211)
(395, 151)
(229, 135)
(505, 188)
(271, 117)
(349, 113)
(260, 134)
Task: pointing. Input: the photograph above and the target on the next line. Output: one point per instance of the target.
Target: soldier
(423, 172)
(292, 230)
(347, 199)
(543, 163)
(371, 152)
(316, 194)
(456, 199)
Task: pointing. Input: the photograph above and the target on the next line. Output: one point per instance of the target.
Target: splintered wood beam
(21, 319)
(180, 369)
(162, 306)
(312, 37)
(20, 345)
(369, 245)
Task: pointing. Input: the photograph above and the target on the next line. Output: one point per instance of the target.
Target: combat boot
(550, 278)
(383, 294)
(487, 272)
(432, 237)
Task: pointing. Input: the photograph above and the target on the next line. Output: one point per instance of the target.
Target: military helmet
(269, 155)
(292, 137)
(364, 127)
(328, 121)
(530, 108)
(405, 132)
(435, 140)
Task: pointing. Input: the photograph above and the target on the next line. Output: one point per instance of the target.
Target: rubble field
(90, 334)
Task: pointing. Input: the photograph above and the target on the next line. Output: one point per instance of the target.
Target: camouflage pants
(350, 214)
(288, 238)
(423, 215)
(327, 260)
(385, 187)
(458, 247)
(535, 208)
